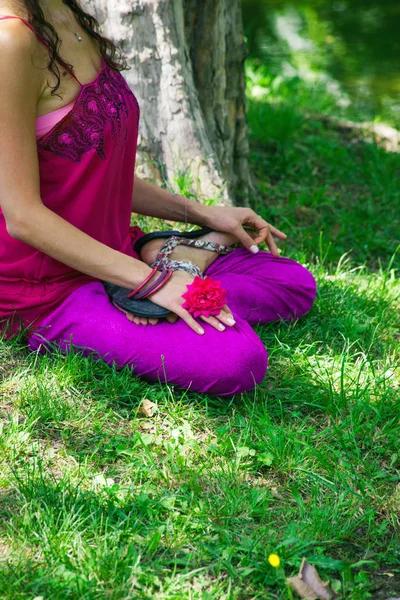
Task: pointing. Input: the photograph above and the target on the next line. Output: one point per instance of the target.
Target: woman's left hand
(234, 220)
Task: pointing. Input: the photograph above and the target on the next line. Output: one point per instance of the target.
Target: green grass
(97, 502)
(333, 191)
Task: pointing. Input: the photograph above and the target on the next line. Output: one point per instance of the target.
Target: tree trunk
(186, 62)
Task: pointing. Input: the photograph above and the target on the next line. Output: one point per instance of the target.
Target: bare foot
(201, 258)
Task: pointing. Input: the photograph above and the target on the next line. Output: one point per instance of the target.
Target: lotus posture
(74, 272)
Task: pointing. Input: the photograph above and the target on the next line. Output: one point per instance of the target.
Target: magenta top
(86, 161)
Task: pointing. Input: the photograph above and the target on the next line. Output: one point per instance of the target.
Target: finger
(277, 233)
(263, 228)
(228, 310)
(259, 226)
(251, 231)
(153, 321)
(227, 317)
(185, 316)
(172, 318)
(213, 322)
(261, 238)
(134, 319)
(272, 246)
(246, 240)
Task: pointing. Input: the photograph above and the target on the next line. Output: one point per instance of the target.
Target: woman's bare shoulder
(17, 41)
(18, 48)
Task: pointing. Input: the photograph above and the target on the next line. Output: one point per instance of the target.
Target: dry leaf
(301, 588)
(308, 584)
(147, 408)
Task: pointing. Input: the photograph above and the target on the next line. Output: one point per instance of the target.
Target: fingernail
(200, 331)
(254, 249)
(231, 321)
(221, 327)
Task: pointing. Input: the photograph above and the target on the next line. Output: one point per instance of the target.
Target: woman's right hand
(170, 297)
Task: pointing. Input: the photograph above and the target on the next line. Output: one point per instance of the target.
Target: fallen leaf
(308, 584)
(388, 574)
(147, 408)
(301, 588)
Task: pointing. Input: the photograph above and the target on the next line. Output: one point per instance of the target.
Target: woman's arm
(153, 201)
(26, 217)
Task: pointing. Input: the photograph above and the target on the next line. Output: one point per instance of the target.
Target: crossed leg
(260, 289)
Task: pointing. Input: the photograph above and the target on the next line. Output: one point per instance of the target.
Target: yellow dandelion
(274, 560)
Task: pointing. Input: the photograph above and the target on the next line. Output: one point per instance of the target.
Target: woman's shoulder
(19, 53)
(17, 41)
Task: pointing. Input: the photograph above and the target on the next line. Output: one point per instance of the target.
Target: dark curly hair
(110, 52)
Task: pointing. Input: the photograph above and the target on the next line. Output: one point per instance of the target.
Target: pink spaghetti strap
(40, 37)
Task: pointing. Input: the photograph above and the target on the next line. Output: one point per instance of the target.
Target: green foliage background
(350, 46)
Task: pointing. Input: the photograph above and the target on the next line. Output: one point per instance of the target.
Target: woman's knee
(294, 290)
(306, 291)
(236, 369)
(249, 372)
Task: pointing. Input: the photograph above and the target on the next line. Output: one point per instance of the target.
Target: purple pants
(260, 288)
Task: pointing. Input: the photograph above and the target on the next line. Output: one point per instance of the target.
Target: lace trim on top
(107, 101)
(45, 123)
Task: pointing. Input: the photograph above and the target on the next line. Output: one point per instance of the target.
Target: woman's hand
(234, 220)
(170, 297)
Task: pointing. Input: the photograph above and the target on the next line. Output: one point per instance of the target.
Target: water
(355, 42)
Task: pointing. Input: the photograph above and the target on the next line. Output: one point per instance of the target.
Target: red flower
(204, 297)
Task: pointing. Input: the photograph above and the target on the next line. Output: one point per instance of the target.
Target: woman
(68, 131)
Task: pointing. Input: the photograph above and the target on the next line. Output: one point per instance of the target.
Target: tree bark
(186, 61)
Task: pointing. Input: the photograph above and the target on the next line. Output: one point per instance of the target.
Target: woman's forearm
(153, 201)
(52, 235)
